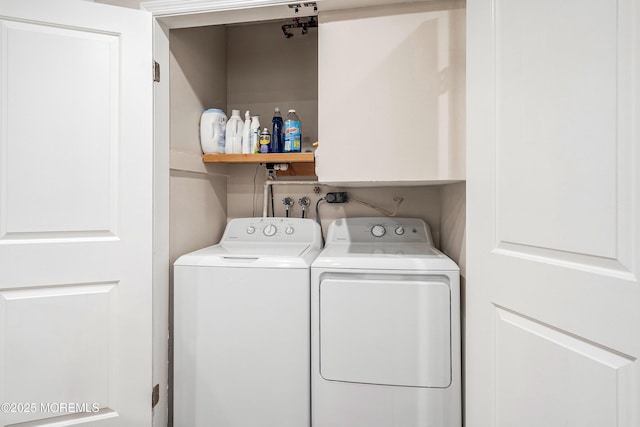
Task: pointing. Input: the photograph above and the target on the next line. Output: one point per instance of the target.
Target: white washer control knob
(251, 229)
(399, 230)
(378, 230)
(269, 230)
(289, 230)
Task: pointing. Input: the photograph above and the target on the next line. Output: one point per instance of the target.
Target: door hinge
(155, 395)
(156, 71)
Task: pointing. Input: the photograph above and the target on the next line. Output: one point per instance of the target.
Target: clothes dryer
(241, 326)
(385, 326)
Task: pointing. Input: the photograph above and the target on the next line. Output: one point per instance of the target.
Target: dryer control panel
(374, 229)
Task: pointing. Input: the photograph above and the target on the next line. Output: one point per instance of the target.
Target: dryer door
(392, 330)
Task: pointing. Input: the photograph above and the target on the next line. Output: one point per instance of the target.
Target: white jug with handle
(213, 124)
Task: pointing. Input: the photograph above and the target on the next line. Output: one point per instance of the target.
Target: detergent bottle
(233, 136)
(213, 124)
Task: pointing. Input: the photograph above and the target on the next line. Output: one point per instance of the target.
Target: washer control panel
(390, 230)
(271, 229)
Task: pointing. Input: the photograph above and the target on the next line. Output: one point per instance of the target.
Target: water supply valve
(288, 203)
(304, 202)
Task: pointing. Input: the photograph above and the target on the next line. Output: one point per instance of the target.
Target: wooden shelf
(259, 158)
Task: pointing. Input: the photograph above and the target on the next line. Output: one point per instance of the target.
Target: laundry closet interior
(380, 87)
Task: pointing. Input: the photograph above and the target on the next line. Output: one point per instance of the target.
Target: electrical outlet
(337, 197)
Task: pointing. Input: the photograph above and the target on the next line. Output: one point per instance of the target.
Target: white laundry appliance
(385, 327)
(241, 326)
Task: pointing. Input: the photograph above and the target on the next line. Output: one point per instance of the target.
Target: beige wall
(453, 223)
(267, 70)
(198, 75)
(420, 202)
(198, 211)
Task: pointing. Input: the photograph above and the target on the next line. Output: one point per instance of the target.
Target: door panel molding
(545, 376)
(89, 236)
(49, 189)
(593, 264)
(591, 225)
(41, 328)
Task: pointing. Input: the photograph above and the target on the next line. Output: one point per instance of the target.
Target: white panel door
(75, 214)
(553, 318)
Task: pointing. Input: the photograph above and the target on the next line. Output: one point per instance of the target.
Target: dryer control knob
(269, 230)
(251, 229)
(289, 230)
(378, 230)
(399, 230)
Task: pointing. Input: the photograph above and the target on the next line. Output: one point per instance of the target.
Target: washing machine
(241, 326)
(385, 327)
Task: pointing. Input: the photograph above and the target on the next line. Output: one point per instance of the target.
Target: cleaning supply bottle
(246, 134)
(213, 124)
(234, 133)
(255, 134)
(292, 133)
(265, 141)
(277, 132)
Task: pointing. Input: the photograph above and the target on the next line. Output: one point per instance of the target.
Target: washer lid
(256, 255)
(384, 256)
